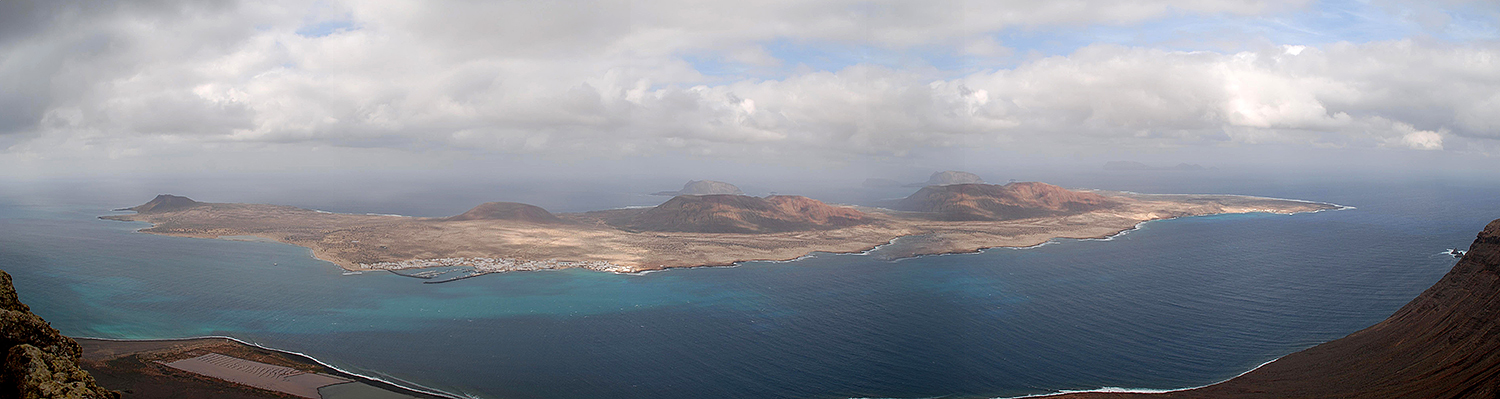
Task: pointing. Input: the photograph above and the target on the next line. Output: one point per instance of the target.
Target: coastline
(1436, 345)
(634, 253)
(1117, 234)
(1104, 390)
(1105, 237)
(1065, 392)
(402, 386)
(872, 251)
(417, 389)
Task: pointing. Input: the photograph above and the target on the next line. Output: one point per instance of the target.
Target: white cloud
(612, 79)
(1423, 140)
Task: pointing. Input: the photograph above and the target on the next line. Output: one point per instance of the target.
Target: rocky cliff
(39, 361)
(997, 202)
(744, 214)
(1443, 344)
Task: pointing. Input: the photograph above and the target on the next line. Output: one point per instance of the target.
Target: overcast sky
(102, 87)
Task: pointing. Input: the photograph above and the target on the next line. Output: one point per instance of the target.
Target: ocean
(1177, 303)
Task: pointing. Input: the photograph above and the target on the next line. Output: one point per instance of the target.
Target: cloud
(615, 79)
(1423, 140)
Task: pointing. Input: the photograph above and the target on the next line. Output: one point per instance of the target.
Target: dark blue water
(1175, 304)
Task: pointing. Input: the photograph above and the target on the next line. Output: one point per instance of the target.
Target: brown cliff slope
(1443, 344)
(744, 214)
(996, 202)
(39, 361)
(508, 211)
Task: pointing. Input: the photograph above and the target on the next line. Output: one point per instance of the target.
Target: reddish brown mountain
(164, 203)
(996, 202)
(1444, 344)
(508, 211)
(744, 214)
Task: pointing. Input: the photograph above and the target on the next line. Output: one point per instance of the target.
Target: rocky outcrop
(704, 187)
(508, 211)
(9, 300)
(39, 361)
(960, 202)
(1443, 344)
(744, 214)
(164, 203)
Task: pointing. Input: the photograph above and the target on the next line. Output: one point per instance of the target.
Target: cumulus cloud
(616, 78)
(1423, 140)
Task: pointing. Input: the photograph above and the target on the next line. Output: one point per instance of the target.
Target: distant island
(704, 187)
(696, 230)
(948, 177)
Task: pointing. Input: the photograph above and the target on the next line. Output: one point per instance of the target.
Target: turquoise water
(1177, 303)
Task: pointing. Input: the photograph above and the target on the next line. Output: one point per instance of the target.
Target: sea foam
(1137, 390)
(389, 380)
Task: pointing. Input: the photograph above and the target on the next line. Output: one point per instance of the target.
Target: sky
(688, 88)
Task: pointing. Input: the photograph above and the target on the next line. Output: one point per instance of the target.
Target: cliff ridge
(40, 363)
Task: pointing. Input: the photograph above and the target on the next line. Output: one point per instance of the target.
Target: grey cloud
(544, 77)
(53, 54)
(66, 54)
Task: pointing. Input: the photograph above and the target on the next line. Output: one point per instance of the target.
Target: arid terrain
(689, 231)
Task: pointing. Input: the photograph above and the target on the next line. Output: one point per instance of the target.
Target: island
(703, 187)
(1441, 344)
(948, 177)
(696, 230)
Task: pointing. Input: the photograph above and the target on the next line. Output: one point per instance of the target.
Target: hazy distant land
(696, 230)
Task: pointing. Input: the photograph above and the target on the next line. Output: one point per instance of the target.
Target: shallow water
(1177, 303)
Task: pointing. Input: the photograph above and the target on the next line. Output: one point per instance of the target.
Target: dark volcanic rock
(1443, 344)
(39, 361)
(996, 202)
(704, 187)
(165, 203)
(744, 214)
(508, 211)
(9, 300)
